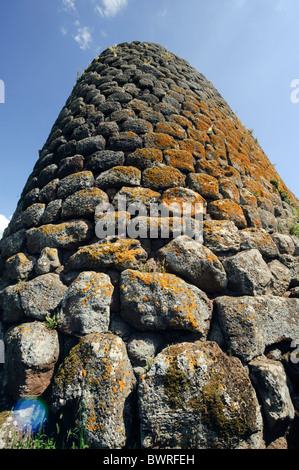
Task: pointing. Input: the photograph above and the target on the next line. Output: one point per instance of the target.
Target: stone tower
(158, 342)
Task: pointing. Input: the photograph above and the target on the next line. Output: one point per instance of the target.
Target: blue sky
(249, 49)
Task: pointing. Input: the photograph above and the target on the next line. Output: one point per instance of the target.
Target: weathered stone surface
(33, 299)
(254, 238)
(225, 209)
(142, 125)
(195, 262)
(270, 381)
(156, 301)
(207, 186)
(19, 266)
(85, 307)
(83, 203)
(113, 253)
(183, 201)
(31, 353)
(98, 378)
(162, 177)
(48, 261)
(75, 182)
(119, 176)
(281, 277)
(199, 399)
(135, 196)
(104, 160)
(248, 273)
(249, 324)
(284, 243)
(67, 235)
(221, 236)
(12, 244)
(143, 347)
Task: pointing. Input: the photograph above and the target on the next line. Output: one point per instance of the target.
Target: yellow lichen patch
(225, 209)
(171, 128)
(206, 185)
(181, 159)
(183, 198)
(192, 146)
(160, 177)
(158, 140)
(202, 123)
(181, 120)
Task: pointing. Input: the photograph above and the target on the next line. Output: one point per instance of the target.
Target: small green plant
(294, 230)
(275, 183)
(52, 320)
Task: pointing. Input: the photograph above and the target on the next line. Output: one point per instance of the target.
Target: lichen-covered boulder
(195, 262)
(32, 350)
(85, 307)
(199, 398)
(248, 273)
(97, 377)
(34, 299)
(249, 324)
(109, 253)
(270, 381)
(157, 301)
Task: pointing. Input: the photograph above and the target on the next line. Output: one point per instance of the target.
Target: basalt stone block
(67, 235)
(98, 378)
(32, 351)
(200, 398)
(154, 301)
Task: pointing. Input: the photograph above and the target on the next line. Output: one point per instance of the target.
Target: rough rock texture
(149, 276)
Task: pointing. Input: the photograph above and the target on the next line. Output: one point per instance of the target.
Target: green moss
(175, 384)
(214, 411)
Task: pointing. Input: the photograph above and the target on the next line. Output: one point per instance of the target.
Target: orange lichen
(181, 159)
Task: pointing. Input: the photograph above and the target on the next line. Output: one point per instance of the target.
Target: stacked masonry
(158, 343)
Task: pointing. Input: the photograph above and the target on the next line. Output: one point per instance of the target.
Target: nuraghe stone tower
(155, 342)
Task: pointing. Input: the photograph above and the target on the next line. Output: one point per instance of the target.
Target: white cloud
(63, 30)
(83, 37)
(3, 224)
(111, 7)
(68, 5)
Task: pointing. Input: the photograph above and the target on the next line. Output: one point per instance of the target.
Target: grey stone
(90, 145)
(119, 176)
(85, 307)
(181, 386)
(284, 243)
(109, 253)
(67, 235)
(19, 266)
(104, 160)
(256, 238)
(32, 351)
(156, 301)
(97, 378)
(270, 381)
(82, 204)
(221, 236)
(48, 261)
(195, 262)
(281, 277)
(249, 324)
(75, 182)
(248, 273)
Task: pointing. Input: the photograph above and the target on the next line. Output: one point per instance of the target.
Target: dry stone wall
(161, 342)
